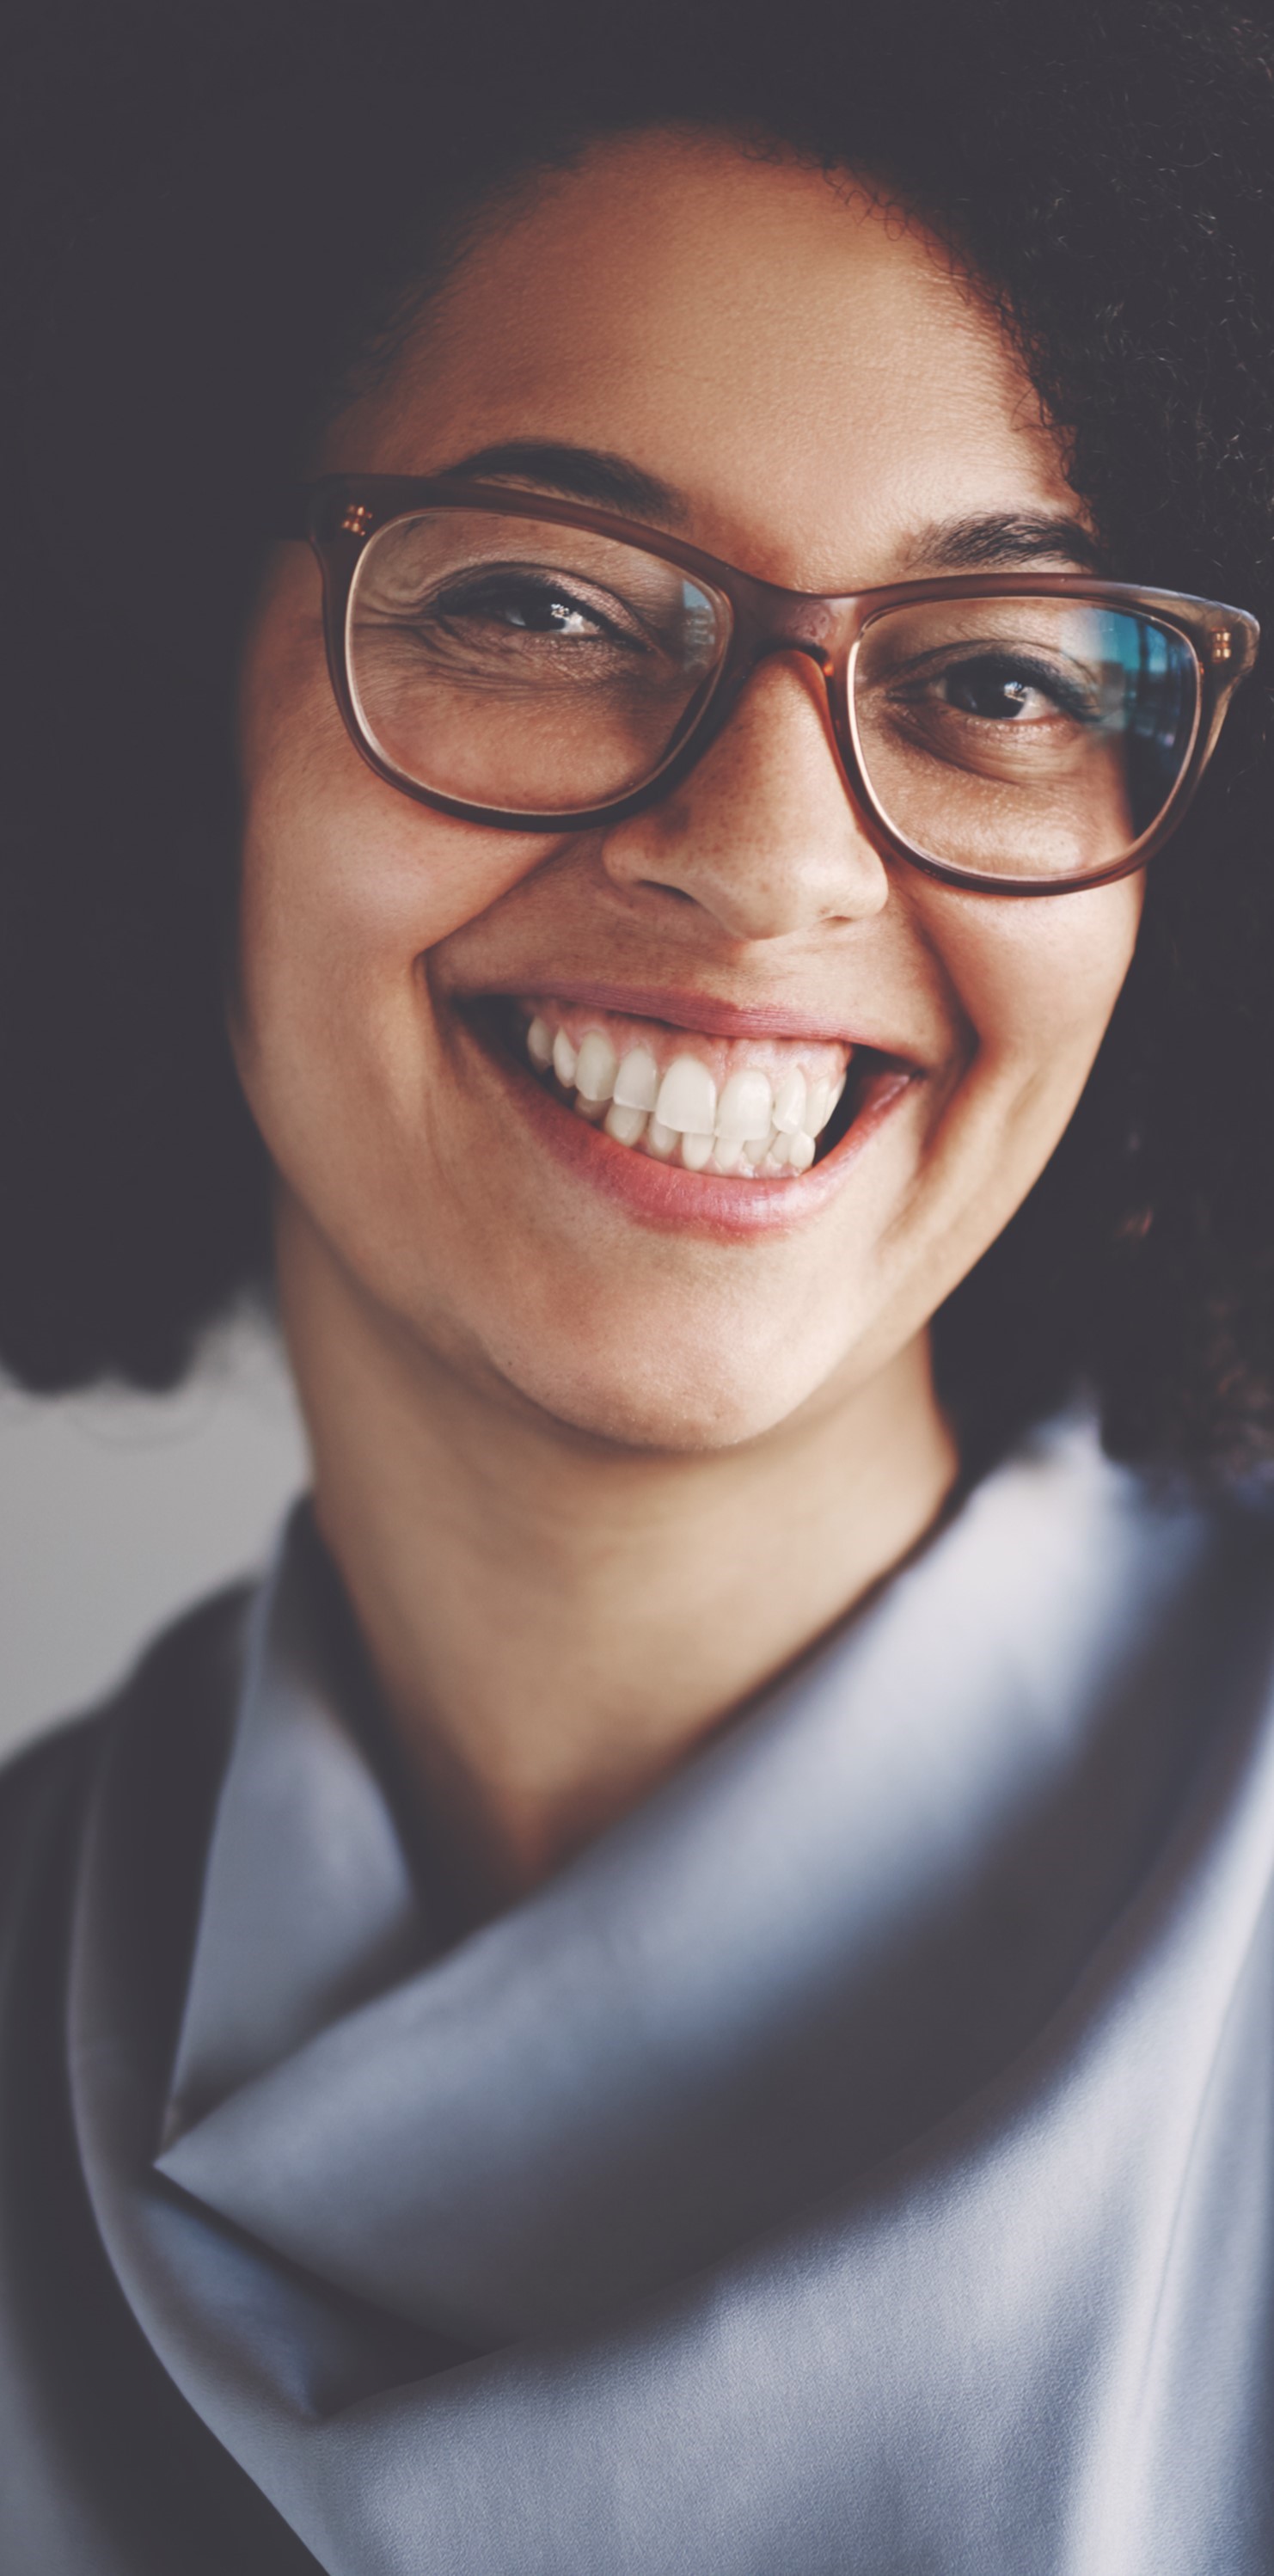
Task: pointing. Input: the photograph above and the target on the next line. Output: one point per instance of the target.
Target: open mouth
(761, 1109)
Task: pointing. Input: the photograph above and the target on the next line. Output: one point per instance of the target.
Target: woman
(685, 1985)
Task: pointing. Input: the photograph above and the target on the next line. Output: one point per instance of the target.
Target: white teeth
(539, 1045)
(637, 1081)
(564, 1060)
(596, 1066)
(756, 1126)
(687, 1097)
(627, 1126)
(744, 1108)
(822, 1099)
(818, 1107)
(789, 1102)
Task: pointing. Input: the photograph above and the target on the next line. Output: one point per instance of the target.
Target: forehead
(805, 364)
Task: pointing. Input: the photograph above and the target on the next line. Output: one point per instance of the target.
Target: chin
(693, 1404)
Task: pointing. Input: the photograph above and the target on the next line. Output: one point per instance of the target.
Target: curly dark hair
(184, 311)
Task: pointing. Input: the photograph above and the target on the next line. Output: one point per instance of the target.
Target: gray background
(117, 1509)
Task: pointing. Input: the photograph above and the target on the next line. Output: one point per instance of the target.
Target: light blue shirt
(861, 2158)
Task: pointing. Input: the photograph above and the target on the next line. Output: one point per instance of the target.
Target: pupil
(537, 614)
(982, 692)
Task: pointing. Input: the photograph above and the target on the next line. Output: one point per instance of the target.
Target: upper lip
(705, 1012)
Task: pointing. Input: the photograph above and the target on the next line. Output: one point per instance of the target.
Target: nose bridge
(798, 634)
(768, 849)
(770, 647)
(791, 621)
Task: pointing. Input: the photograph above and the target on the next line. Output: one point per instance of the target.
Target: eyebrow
(996, 541)
(589, 474)
(1004, 540)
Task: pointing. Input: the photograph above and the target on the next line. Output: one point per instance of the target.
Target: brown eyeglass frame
(344, 511)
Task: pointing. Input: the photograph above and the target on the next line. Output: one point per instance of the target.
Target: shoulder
(102, 2462)
(42, 1787)
(173, 1708)
(1062, 1478)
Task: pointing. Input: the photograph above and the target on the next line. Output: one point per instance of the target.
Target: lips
(728, 1119)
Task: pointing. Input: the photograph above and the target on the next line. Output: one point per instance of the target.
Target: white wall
(115, 1510)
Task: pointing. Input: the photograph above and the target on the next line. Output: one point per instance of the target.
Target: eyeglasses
(538, 667)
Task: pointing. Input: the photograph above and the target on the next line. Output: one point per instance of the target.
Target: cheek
(1035, 982)
(345, 887)
(1031, 985)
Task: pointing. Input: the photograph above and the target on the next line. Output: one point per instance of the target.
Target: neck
(555, 1622)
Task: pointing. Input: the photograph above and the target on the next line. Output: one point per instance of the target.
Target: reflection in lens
(523, 666)
(1023, 737)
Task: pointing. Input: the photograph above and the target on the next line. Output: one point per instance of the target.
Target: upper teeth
(688, 1098)
(752, 1125)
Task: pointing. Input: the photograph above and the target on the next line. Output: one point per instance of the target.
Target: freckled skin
(813, 377)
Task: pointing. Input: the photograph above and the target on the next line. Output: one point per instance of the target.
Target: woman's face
(820, 401)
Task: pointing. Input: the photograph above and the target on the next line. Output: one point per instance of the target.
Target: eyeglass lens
(532, 668)
(529, 668)
(1022, 737)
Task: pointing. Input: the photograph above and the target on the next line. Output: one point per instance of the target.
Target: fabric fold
(836, 2166)
(309, 1901)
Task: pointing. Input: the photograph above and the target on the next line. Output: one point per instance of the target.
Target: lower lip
(665, 1194)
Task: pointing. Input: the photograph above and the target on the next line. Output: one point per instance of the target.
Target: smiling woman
(667, 839)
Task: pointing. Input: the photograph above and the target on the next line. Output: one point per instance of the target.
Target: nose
(761, 835)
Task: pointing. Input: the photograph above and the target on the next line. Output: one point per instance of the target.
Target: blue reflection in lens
(1157, 713)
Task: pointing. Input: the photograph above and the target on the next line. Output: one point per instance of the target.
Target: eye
(532, 606)
(1000, 690)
